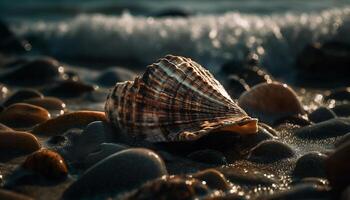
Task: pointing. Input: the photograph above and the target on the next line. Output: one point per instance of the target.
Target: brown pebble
(21, 115)
(213, 178)
(22, 95)
(49, 103)
(47, 163)
(17, 140)
(338, 166)
(68, 121)
(10, 195)
(3, 127)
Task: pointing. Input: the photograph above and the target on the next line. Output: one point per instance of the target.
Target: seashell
(270, 101)
(176, 99)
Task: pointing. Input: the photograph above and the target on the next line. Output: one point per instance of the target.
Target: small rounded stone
(113, 75)
(326, 129)
(342, 110)
(37, 72)
(49, 103)
(271, 151)
(22, 95)
(10, 195)
(22, 115)
(3, 127)
(16, 140)
(69, 89)
(213, 178)
(310, 165)
(322, 114)
(103, 151)
(208, 156)
(337, 167)
(125, 170)
(68, 121)
(47, 163)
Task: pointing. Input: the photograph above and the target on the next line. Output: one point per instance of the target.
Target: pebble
(299, 120)
(49, 103)
(251, 140)
(16, 140)
(302, 191)
(34, 73)
(60, 124)
(69, 89)
(322, 114)
(109, 77)
(22, 95)
(11, 195)
(122, 171)
(275, 100)
(330, 128)
(213, 179)
(344, 139)
(342, 110)
(208, 156)
(310, 165)
(236, 86)
(47, 163)
(340, 94)
(3, 127)
(170, 187)
(22, 115)
(104, 150)
(337, 167)
(270, 151)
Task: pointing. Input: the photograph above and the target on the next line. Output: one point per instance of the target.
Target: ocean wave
(276, 39)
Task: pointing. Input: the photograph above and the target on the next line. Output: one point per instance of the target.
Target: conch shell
(176, 99)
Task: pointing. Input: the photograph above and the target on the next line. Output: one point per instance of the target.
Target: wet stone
(337, 167)
(69, 89)
(117, 173)
(251, 140)
(270, 151)
(208, 156)
(47, 163)
(235, 86)
(22, 95)
(248, 176)
(49, 103)
(21, 115)
(325, 129)
(213, 178)
(293, 119)
(60, 124)
(310, 165)
(18, 141)
(113, 75)
(103, 151)
(322, 114)
(34, 73)
(302, 191)
(342, 110)
(170, 187)
(311, 180)
(343, 140)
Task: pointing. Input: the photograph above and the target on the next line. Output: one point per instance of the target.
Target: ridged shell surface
(176, 99)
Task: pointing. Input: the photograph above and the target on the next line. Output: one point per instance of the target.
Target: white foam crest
(276, 38)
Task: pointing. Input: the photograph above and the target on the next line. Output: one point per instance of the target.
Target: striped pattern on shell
(176, 99)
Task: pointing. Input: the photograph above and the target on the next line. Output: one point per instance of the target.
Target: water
(273, 31)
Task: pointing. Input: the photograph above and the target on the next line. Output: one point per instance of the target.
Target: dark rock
(173, 187)
(18, 141)
(69, 89)
(104, 150)
(22, 115)
(337, 167)
(251, 140)
(113, 75)
(310, 165)
(235, 86)
(301, 192)
(208, 156)
(270, 151)
(49, 103)
(57, 140)
(34, 73)
(213, 178)
(322, 114)
(122, 171)
(330, 128)
(47, 163)
(342, 110)
(340, 94)
(22, 95)
(344, 139)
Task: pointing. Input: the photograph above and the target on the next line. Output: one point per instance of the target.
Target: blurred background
(278, 35)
